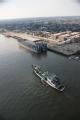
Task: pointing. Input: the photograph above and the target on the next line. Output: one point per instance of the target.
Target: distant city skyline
(11, 9)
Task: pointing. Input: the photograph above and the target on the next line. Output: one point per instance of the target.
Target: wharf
(22, 36)
(66, 50)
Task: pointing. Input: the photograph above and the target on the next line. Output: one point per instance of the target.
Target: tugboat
(51, 80)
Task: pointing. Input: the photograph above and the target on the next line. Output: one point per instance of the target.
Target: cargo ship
(28, 41)
(37, 47)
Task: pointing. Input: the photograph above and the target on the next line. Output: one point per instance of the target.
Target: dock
(22, 36)
(66, 49)
(69, 48)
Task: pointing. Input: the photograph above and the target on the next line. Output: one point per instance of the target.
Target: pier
(22, 36)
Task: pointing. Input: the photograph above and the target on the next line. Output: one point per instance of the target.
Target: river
(24, 97)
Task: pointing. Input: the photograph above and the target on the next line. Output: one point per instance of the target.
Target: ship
(50, 79)
(29, 42)
(36, 47)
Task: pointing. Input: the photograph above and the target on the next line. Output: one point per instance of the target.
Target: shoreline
(66, 49)
(60, 53)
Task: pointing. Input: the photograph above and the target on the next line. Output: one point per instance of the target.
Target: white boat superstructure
(51, 80)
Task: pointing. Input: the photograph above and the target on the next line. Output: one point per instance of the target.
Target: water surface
(24, 97)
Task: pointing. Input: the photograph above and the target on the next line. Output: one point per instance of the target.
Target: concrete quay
(66, 49)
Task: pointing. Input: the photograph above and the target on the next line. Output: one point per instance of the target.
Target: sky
(10, 9)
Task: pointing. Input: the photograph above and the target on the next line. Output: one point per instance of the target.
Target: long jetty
(22, 36)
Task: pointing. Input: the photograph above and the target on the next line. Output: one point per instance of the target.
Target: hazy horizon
(13, 9)
(27, 18)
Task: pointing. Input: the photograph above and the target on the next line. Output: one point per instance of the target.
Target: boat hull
(34, 47)
(48, 82)
(28, 48)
